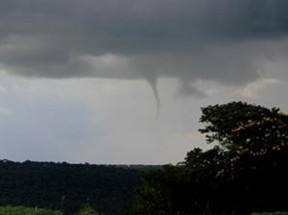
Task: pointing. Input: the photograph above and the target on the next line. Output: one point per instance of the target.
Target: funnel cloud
(222, 41)
(153, 84)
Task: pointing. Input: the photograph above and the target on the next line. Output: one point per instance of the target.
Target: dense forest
(244, 172)
(62, 186)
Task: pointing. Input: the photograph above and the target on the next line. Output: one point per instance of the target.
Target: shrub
(87, 210)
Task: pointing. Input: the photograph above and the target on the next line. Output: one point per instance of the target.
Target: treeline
(245, 172)
(66, 187)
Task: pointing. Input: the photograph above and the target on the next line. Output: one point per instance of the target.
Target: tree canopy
(244, 172)
(241, 125)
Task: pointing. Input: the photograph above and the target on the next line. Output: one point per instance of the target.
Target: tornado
(153, 84)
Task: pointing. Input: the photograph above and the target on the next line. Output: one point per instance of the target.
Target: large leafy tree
(254, 140)
(246, 132)
(240, 126)
(244, 172)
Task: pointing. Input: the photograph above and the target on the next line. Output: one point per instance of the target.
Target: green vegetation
(244, 172)
(19, 210)
(87, 210)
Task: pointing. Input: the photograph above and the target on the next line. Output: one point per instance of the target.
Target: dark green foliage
(241, 125)
(66, 187)
(243, 173)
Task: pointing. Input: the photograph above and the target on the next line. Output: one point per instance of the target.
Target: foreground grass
(19, 210)
(86, 210)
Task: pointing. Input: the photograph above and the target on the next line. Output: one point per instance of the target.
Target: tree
(238, 126)
(251, 136)
(244, 172)
(255, 142)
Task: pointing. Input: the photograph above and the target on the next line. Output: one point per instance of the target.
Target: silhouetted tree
(255, 142)
(244, 172)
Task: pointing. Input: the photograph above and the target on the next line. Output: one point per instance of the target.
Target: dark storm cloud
(189, 40)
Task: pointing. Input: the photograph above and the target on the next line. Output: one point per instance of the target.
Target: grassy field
(19, 210)
(86, 210)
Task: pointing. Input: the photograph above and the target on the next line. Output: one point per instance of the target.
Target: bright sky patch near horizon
(80, 80)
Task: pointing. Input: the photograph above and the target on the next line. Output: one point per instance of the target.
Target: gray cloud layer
(224, 41)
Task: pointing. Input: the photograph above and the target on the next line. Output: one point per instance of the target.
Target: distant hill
(110, 189)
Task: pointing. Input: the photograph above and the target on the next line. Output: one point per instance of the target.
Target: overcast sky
(123, 81)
